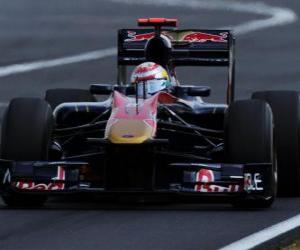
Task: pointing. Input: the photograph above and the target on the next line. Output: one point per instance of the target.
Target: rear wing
(189, 48)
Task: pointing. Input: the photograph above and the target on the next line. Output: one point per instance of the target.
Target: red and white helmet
(150, 76)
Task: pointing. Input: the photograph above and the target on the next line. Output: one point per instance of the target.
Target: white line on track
(264, 235)
(42, 64)
(274, 16)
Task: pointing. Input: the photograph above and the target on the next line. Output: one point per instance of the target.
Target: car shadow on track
(90, 203)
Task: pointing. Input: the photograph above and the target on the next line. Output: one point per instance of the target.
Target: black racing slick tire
(286, 110)
(249, 139)
(56, 97)
(26, 136)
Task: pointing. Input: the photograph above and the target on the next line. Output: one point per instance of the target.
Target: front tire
(26, 136)
(249, 139)
(286, 109)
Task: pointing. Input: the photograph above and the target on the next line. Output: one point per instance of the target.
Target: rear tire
(26, 136)
(56, 97)
(286, 110)
(249, 139)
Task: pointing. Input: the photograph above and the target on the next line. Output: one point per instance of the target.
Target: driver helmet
(150, 78)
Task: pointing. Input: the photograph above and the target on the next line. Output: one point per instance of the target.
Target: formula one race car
(167, 142)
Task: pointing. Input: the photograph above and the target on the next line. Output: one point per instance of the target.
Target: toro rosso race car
(167, 143)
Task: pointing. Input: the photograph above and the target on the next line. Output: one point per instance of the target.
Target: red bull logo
(205, 37)
(134, 37)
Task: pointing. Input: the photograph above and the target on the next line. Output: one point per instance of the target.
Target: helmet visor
(151, 86)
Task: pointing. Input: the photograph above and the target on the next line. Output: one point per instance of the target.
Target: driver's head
(150, 76)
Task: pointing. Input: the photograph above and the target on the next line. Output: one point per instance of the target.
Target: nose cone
(130, 132)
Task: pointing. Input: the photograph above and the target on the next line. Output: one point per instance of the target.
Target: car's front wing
(196, 179)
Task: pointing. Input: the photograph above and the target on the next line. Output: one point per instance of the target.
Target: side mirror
(126, 90)
(202, 91)
(101, 89)
(107, 89)
(190, 90)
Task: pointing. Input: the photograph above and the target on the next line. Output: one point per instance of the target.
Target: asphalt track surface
(38, 30)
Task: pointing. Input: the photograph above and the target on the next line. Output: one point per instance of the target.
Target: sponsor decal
(30, 185)
(253, 182)
(134, 37)
(206, 177)
(211, 188)
(197, 36)
(39, 186)
(205, 37)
